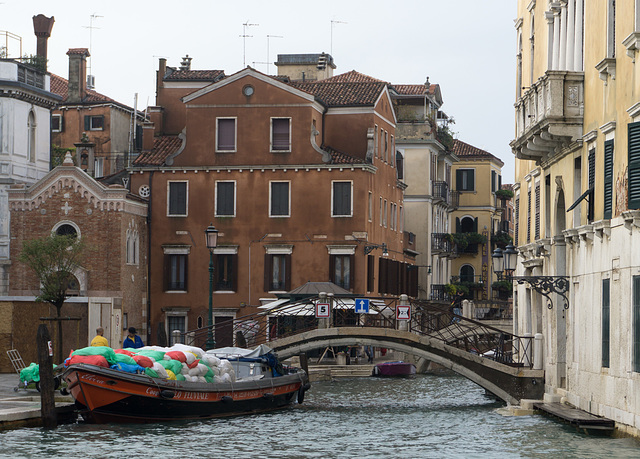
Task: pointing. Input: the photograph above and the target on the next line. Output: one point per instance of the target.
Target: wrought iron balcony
(549, 116)
(439, 243)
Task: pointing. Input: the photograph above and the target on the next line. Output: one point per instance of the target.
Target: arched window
(31, 137)
(66, 230)
(133, 243)
(468, 225)
(467, 273)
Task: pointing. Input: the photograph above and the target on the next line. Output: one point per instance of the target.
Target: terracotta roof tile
(411, 89)
(352, 77)
(343, 94)
(81, 51)
(191, 75)
(162, 147)
(462, 149)
(339, 157)
(60, 86)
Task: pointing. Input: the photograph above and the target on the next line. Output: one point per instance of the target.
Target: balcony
(440, 191)
(549, 115)
(440, 244)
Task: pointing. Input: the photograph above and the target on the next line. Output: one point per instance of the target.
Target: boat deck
(576, 417)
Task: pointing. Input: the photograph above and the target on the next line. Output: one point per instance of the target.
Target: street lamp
(504, 261)
(211, 240)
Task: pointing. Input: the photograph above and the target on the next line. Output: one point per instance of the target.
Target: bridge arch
(509, 383)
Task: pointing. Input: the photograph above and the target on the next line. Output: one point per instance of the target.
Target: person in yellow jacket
(99, 340)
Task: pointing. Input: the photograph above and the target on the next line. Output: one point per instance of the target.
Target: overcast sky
(466, 46)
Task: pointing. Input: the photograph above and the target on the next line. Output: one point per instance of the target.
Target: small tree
(53, 258)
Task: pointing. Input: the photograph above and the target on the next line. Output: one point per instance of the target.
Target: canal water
(429, 416)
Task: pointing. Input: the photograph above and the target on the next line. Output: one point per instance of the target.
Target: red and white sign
(403, 312)
(322, 310)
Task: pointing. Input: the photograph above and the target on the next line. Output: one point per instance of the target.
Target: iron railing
(436, 321)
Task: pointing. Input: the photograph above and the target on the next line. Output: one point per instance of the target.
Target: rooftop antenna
(268, 60)
(244, 41)
(90, 79)
(332, 23)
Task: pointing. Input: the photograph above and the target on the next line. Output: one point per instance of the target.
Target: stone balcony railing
(549, 115)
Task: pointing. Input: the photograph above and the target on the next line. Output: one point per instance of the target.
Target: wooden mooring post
(45, 360)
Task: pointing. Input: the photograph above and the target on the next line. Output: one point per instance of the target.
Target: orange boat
(105, 395)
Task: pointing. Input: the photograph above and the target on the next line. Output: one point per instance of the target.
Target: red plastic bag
(90, 359)
(143, 361)
(177, 355)
(124, 351)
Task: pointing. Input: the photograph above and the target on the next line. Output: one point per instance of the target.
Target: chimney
(186, 63)
(42, 26)
(77, 74)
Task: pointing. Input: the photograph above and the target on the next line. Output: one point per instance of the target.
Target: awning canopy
(582, 196)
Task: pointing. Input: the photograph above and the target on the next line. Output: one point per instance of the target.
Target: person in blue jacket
(132, 340)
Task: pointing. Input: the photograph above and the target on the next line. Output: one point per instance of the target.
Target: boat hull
(394, 369)
(105, 396)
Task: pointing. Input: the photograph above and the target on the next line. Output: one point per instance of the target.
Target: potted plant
(504, 194)
(475, 238)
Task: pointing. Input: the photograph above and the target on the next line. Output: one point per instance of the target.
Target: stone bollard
(403, 325)
(537, 351)
(466, 309)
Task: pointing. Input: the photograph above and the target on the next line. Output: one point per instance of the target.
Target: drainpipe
(149, 260)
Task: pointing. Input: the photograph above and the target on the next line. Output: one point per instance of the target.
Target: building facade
(476, 222)
(299, 177)
(26, 101)
(425, 165)
(110, 285)
(577, 198)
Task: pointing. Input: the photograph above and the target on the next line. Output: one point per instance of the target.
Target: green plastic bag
(31, 373)
(124, 358)
(174, 365)
(104, 351)
(151, 372)
(155, 355)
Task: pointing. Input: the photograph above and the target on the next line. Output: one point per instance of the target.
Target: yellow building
(577, 195)
(476, 176)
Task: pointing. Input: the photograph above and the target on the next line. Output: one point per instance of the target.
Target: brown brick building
(101, 129)
(110, 287)
(298, 177)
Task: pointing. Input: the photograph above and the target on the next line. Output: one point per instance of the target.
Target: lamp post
(504, 261)
(211, 240)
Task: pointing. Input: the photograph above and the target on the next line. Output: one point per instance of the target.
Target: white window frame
(235, 191)
(59, 118)
(186, 210)
(235, 134)
(93, 117)
(381, 212)
(271, 133)
(98, 168)
(386, 213)
(177, 312)
(270, 192)
(370, 206)
(350, 214)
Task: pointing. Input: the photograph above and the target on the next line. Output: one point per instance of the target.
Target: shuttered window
(226, 272)
(177, 199)
(537, 217)
(225, 199)
(465, 180)
(635, 287)
(226, 138)
(280, 134)
(634, 165)
(592, 184)
(279, 199)
(605, 322)
(341, 199)
(608, 179)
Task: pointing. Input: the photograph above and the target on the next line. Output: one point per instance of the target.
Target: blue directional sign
(362, 306)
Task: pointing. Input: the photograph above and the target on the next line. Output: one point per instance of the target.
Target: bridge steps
(328, 372)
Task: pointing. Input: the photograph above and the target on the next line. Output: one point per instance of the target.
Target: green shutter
(634, 165)
(635, 305)
(608, 179)
(87, 123)
(605, 322)
(459, 180)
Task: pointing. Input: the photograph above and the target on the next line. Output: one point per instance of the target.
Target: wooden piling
(45, 360)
